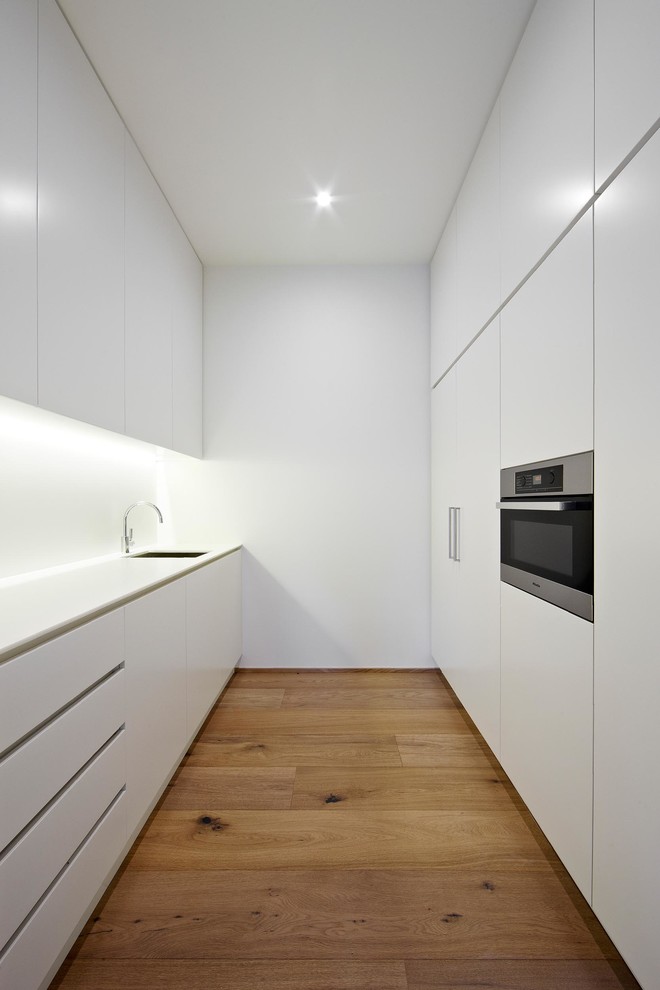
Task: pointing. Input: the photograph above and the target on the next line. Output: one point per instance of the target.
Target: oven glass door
(552, 540)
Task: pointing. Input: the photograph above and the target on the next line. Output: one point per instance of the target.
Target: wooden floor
(342, 830)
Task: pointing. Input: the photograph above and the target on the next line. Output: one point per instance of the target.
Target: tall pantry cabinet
(626, 893)
(465, 555)
(578, 248)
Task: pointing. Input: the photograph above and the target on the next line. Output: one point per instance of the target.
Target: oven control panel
(546, 479)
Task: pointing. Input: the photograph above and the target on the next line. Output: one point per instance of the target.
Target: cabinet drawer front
(37, 684)
(32, 864)
(35, 953)
(33, 774)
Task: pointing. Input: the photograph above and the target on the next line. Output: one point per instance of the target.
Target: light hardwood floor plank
(236, 697)
(263, 750)
(402, 788)
(320, 721)
(241, 974)
(360, 679)
(249, 788)
(513, 974)
(367, 698)
(435, 749)
(339, 914)
(249, 840)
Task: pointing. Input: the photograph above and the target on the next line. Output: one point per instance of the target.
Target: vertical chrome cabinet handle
(457, 533)
(451, 532)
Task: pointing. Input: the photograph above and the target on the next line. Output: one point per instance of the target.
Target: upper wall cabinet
(627, 78)
(547, 356)
(187, 294)
(148, 304)
(163, 318)
(81, 233)
(478, 237)
(18, 199)
(546, 133)
(444, 301)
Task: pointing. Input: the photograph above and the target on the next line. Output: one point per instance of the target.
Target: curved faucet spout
(127, 539)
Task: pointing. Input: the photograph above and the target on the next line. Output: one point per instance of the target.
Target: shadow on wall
(278, 630)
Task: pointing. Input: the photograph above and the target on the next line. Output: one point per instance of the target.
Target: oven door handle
(543, 506)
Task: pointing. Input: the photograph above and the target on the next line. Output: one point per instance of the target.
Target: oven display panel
(550, 479)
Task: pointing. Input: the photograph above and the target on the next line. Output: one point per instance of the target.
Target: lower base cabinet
(547, 722)
(34, 956)
(80, 773)
(155, 695)
(214, 634)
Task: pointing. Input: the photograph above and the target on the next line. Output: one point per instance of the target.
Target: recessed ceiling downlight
(323, 199)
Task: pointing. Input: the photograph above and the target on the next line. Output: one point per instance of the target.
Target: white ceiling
(245, 108)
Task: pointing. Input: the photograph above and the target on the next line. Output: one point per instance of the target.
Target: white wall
(317, 434)
(65, 487)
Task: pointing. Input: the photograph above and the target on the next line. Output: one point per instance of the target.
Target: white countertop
(36, 607)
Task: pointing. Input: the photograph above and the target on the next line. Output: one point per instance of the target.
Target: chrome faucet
(127, 539)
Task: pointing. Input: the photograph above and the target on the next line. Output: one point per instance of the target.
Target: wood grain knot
(214, 824)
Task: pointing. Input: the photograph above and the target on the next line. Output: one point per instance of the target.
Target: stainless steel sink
(171, 553)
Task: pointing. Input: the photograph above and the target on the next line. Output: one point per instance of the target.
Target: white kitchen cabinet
(186, 288)
(444, 301)
(547, 128)
(35, 860)
(18, 199)
(547, 722)
(163, 318)
(478, 237)
(214, 634)
(34, 772)
(156, 734)
(444, 499)
(465, 593)
(33, 957)
(627, 39)
(61, 780)
(81, 233)
(37, 684)
(547, 356)
(148, 304)
(627, 538)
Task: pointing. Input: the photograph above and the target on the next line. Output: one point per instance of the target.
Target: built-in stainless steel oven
(547, 542)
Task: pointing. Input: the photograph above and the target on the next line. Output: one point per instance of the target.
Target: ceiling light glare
(323, 199)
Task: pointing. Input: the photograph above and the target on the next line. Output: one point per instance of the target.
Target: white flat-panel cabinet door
(547, 722)
(81, 233)
(444, 301)
(155, 695)
(547, 129)
(478, 236)
(149, 272)
(627, 78)
(627, 540)
(186, 288)
(475, 673)
(214, 635)
(547, 356)
(18, 199)
(444, 570)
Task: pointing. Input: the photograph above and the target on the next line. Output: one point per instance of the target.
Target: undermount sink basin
(171, 553)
